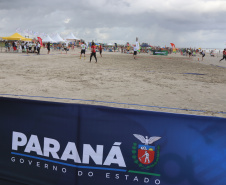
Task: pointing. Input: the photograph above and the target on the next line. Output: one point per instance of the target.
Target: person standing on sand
(48, 47)
(9, 45)
(128, 48)
(134, 52)
(6, 46)
(38, 48)
(13, 44)
(135, 48)
(224, 55)
(93, 52)
(83, 50)
(26, 47)
(121, 49)
(30, 47)
(100, 48)
(189, 52)
(203, 54)
(65, 47)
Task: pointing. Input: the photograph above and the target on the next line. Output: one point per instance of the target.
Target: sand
(173, 83)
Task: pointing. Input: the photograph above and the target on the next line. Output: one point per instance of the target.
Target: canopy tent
(48, 39)
(71, 37)
(16, 36)
(110, 44)
(58, 38)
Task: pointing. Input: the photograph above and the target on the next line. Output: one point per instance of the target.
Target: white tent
(58, 38)
(48, 39)
(71, 37)
(110, 44)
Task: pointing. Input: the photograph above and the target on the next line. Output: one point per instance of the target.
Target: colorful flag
(40, 41)
(173, 46)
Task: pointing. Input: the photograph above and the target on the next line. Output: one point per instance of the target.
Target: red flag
(40, 41)
(173, 45)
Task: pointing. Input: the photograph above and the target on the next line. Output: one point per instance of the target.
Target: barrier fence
(49, 143)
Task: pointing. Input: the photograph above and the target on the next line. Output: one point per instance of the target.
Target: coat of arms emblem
(146, 152)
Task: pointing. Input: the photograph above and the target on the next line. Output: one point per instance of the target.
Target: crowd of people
(35, 46)
(27, 47)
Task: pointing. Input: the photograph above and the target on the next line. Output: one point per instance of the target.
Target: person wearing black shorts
(134, 52)
(38, 48)
(224, 55)
(93, 50)
(30, 47)
(65, 47)
(48, 47)
(189, 52)
(83, 50)
(203, 54)
(100, 48)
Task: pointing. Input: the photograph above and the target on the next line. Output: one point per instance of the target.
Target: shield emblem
(146, 154)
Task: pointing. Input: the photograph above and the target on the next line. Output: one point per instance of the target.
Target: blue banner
(48, 143)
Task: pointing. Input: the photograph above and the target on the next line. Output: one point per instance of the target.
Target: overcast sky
(192, 23)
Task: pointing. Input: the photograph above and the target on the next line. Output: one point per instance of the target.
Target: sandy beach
(173, 83)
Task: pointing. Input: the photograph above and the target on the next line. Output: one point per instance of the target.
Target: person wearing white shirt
(38, 48)
(16, 45)
(134, 52)
(83, 50)
(66, 47)
(30, 46)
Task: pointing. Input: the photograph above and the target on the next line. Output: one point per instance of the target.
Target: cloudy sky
(192, 23)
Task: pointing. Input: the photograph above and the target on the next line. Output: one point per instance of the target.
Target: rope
(73, 99)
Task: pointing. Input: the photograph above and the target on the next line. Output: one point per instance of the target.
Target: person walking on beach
(38, 48)
(224, 55)
(6, 46)
(203, 54)
(100, 48)
(128, 48)
(35, 48)
(14, 47)
(30, 47)
(134, 52)
(65, 47)
(135, 48)
(189, 53)
(26, 47)
(83, 50)
(93, 52)
(9, 45)
(48, 47)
